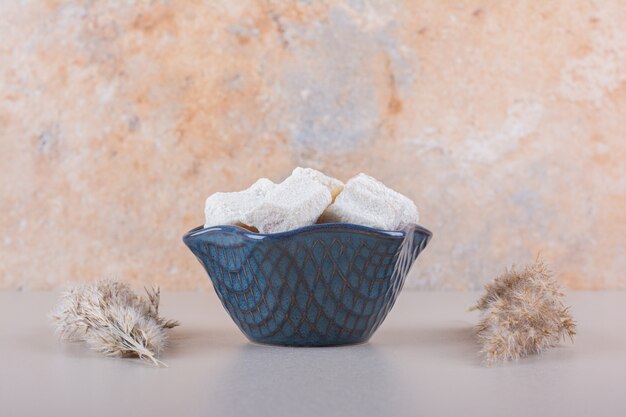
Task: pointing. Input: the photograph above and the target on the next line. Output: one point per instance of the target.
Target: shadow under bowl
(320, 285)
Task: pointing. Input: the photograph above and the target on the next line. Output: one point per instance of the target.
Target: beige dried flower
(523, 314)
(113, 320)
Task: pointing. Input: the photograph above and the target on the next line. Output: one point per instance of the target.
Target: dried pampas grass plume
(523, 314)
(113, 320)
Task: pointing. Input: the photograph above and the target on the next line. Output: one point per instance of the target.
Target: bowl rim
(201, 230)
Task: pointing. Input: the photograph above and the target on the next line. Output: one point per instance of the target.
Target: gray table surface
(422, 361)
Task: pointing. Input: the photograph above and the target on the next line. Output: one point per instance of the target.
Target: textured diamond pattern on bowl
(321, 285)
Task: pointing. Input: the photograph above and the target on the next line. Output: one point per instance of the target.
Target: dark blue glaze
(320, 285)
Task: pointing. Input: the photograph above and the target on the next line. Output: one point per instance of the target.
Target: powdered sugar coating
(367, 201)
(231, 208)
(296, 202)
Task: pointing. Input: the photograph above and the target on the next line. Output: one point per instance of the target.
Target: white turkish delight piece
(230, 208)
(333, 184)
(296, 202)
(367, 201)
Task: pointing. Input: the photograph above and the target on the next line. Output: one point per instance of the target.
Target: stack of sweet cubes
(307, 197)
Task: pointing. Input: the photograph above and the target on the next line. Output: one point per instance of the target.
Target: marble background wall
(505, 121)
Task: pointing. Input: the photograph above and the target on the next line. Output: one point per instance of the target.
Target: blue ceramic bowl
(320, 285)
